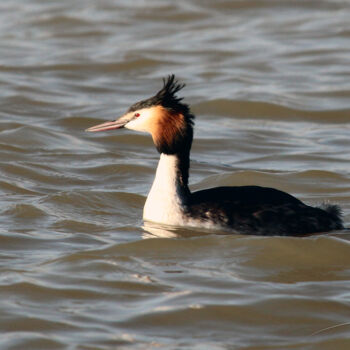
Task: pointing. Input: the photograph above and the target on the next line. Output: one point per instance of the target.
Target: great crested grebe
(244, 209)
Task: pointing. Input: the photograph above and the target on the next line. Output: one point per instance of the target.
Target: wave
(270, 111)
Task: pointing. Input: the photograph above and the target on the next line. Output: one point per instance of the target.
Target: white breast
(164, 203)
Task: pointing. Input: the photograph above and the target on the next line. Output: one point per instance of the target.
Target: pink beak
(117, 124)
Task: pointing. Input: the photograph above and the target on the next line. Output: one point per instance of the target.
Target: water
(269, 82)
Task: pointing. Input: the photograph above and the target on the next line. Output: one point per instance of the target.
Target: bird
(247, 210)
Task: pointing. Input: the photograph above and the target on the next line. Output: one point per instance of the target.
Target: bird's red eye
(136, 115)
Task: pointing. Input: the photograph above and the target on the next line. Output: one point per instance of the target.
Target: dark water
(269, 82)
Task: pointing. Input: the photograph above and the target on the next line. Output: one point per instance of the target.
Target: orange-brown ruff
(167, 124)
(240, 209)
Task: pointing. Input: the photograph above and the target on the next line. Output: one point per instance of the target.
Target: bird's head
(163, 115)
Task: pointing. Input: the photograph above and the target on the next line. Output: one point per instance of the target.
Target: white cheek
(142, 123)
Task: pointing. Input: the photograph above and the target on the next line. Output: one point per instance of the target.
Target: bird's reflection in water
(155, 230)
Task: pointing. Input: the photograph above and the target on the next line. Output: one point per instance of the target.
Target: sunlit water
(269, 82)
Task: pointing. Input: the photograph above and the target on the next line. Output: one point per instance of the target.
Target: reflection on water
(155, 230)
(269, 84)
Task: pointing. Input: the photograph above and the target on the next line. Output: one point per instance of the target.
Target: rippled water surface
(269, 82)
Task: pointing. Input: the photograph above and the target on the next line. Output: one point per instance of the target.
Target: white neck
(166, 200)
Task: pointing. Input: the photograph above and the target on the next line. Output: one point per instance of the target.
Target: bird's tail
(335, 213)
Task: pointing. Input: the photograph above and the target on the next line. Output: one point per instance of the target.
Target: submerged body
(244, 209)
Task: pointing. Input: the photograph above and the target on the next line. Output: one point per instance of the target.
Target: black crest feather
(167, 95)
(167, 98)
